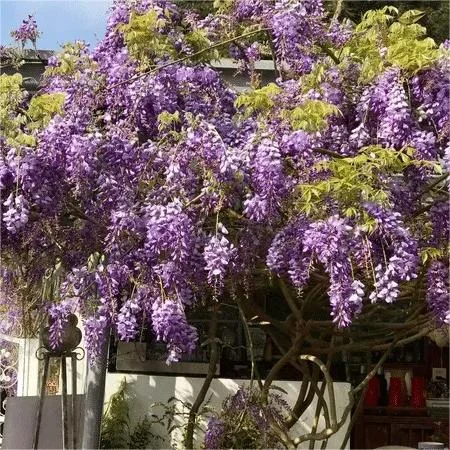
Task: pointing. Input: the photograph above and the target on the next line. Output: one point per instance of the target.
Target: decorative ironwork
(67, 348)
(8, 369)
(9, 355)
(2, 413)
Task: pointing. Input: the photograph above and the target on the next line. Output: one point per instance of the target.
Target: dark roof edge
(31, 55)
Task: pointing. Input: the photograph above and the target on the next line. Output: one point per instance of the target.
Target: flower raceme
(27, 31)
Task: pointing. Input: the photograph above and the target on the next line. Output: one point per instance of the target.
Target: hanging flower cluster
(28, 31)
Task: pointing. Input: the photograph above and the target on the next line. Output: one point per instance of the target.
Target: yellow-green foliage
(223, 6)
(311, 116)
(315, 78)
(70, 59)
(355, 180)
(16, 123)
(12, 119)
(167, 119)
(43, 107)
(430, 253)
(381, 41)
(259, 100)
(199, 42)
(408, 47)
(144, 39)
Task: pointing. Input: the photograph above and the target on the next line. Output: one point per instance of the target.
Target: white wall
(147, 390)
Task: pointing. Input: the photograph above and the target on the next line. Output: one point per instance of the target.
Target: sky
(60, 21)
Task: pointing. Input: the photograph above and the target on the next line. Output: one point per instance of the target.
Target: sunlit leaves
(311, 116)
(355, 180)
(411, 16)
(43, 107)
(381, 41)
(145, 38)
(12, 117)
(200, 43)
(430, 254)
(70, 59)
(259, 100)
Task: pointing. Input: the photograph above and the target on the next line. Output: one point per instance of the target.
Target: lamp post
(71, 337)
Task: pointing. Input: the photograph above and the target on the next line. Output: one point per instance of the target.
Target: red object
(373, 391)
(395, 392)
(418, 392)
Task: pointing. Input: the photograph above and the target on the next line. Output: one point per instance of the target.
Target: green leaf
(312, 116)
(438, 169)
(43, 107)
(259, 100)
(411, 16)
(166, 119)
(430, 253)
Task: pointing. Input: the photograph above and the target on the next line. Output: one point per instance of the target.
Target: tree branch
(213, 358)
(248, 337)
(303, 399)
(324, 151)
(432, 185)
(338, 10)
(185, 58)
(334, 424)
(290, 301)
(321, 404)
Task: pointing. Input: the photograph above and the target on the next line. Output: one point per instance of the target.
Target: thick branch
(213, 358)
(249, 340)
(430, 186)
(329, 53)
(290, 354)
(324, 151)
(338, 10)
(290, 301)
(321, 404)
(303, 402)
(335, 425)
(185, 58)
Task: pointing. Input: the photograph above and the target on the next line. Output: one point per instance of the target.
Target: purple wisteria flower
(59, 317)
(257, 419)
(269, 181)
(219, 254)
(400, 258)
(17, 212)
(214, 433)
(123, 188)
(331, 242)
(287, 254)
(27, 31)
(170, 326)
(438, 291)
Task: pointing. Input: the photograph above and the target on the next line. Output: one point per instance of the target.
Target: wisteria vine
(154, 185)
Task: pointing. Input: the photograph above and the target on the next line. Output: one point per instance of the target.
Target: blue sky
(59, 21)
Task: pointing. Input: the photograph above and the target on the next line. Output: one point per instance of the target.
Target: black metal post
(64, 402)
(69, 427)
(41, 402)
(74, 403)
